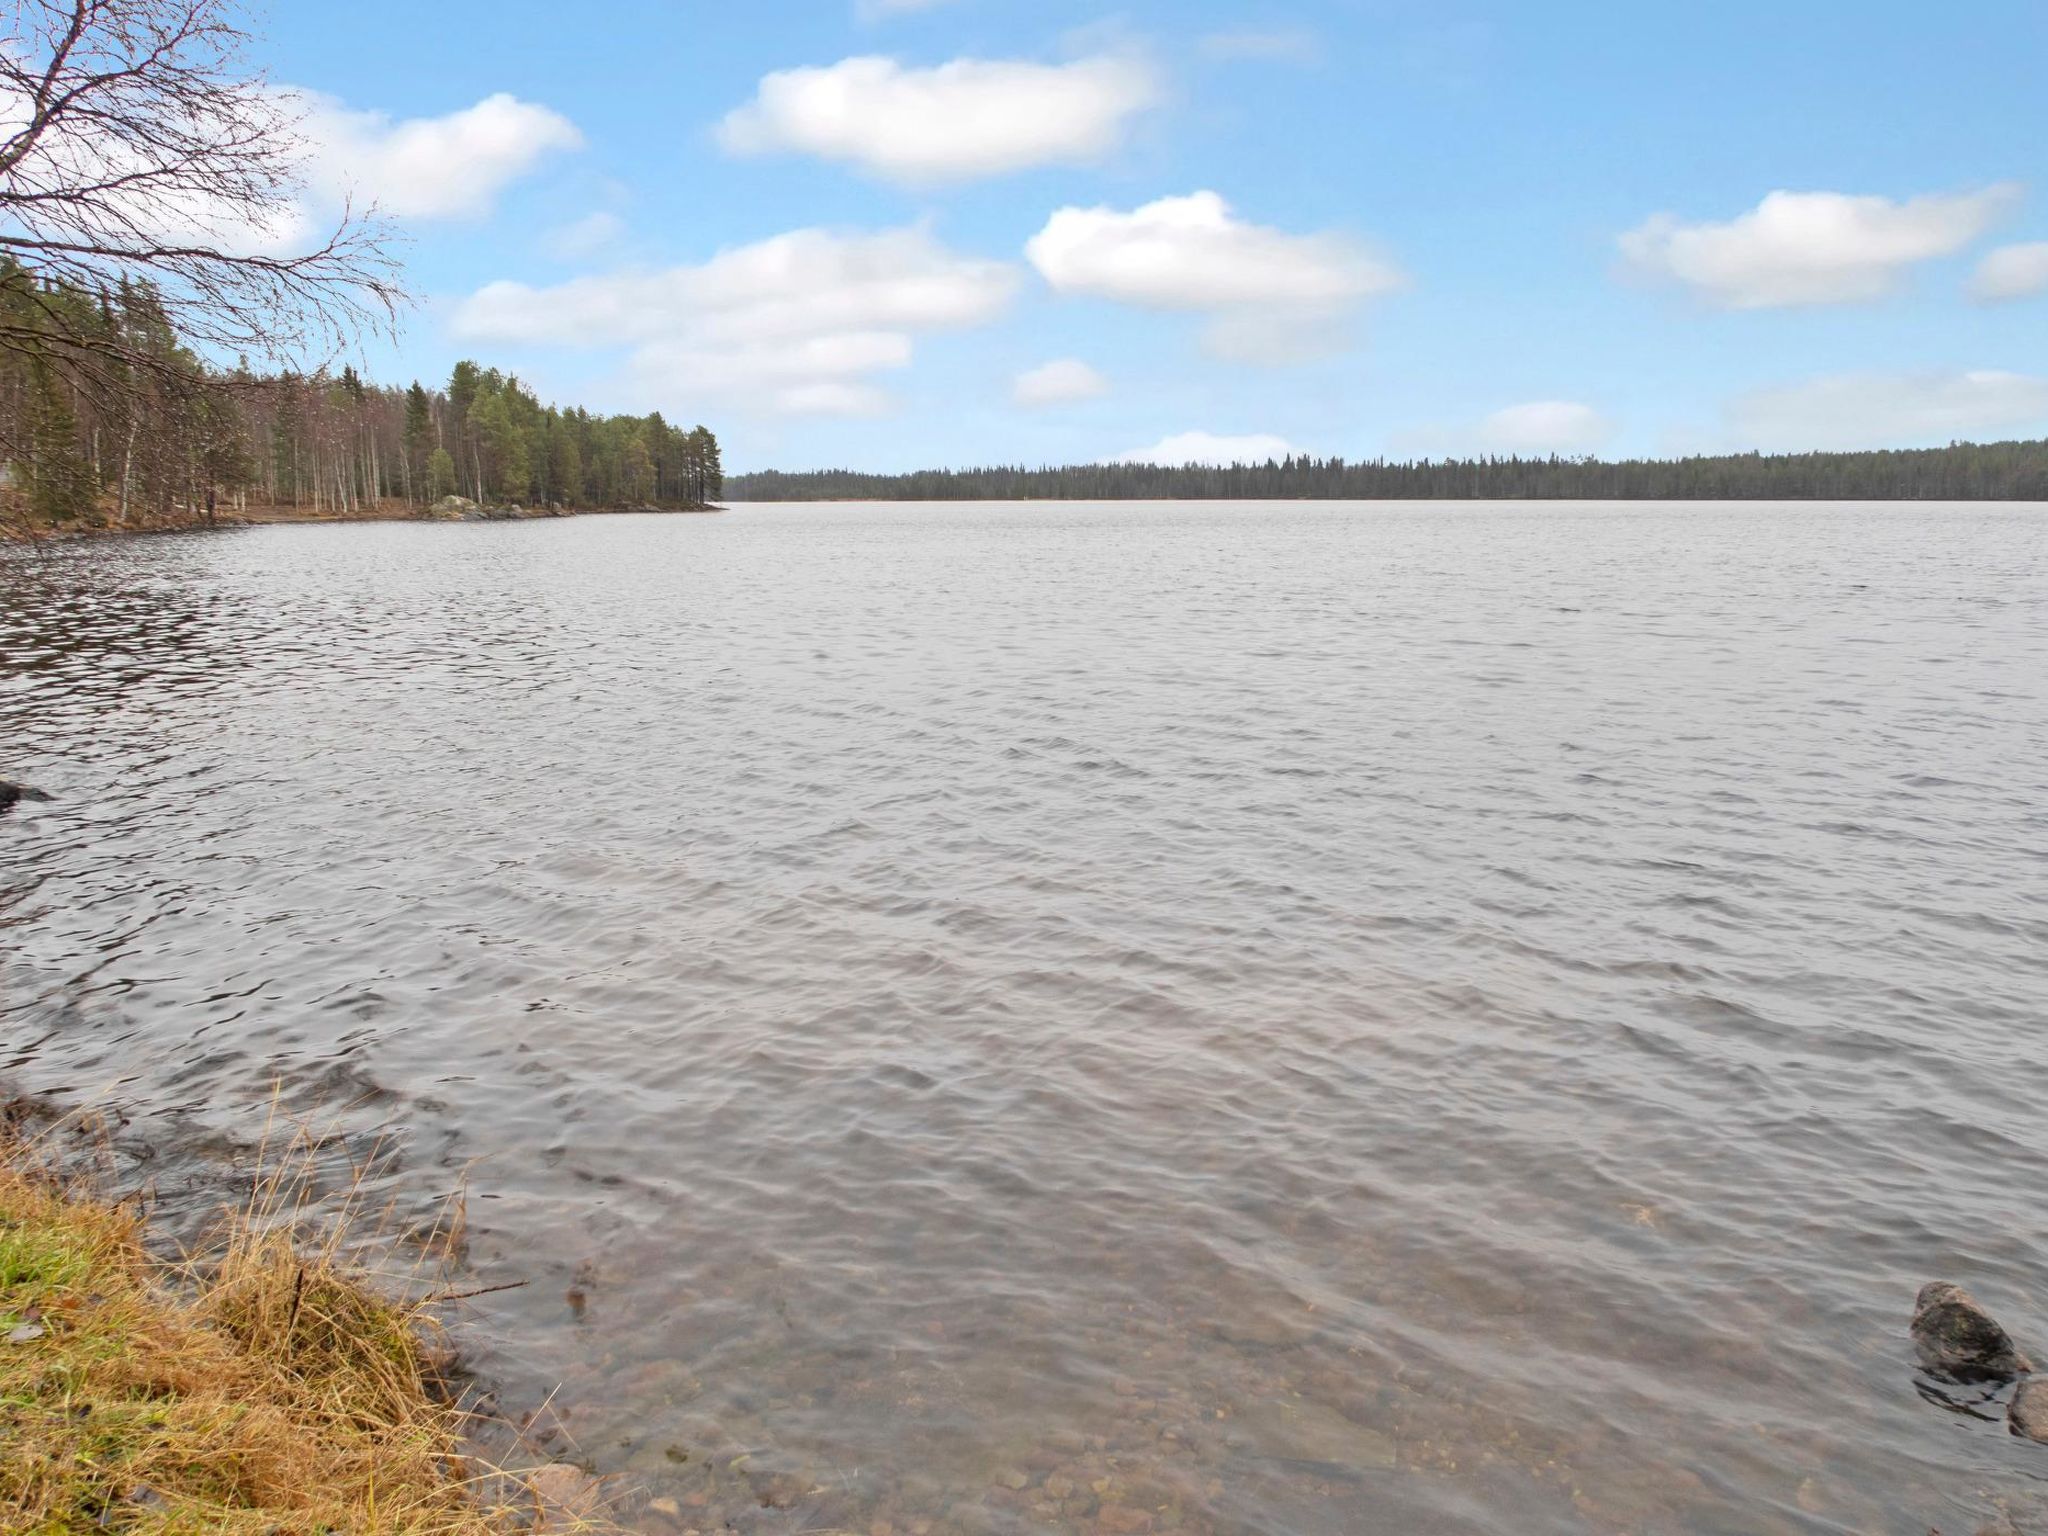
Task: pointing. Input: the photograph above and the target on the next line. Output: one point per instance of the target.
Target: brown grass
(265, 1387)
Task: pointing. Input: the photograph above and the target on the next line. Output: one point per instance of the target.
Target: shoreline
(332, 1394)
(19, 532)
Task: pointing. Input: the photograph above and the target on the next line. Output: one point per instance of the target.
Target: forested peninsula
(112, 422)
(2015, 471)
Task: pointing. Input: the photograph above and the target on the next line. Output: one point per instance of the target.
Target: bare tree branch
(138, 145)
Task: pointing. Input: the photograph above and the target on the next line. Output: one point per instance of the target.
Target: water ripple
(1284, 1019)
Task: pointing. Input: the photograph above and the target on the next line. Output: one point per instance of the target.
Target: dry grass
(267, 1388)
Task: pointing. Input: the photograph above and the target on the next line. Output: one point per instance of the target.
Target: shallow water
(1308, 1019)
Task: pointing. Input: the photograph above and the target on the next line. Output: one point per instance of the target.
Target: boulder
(2027, 1414)
(12, 794)
(1958, 1339)
(455, 507)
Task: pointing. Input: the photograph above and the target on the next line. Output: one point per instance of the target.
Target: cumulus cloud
(967, 119)
(1800, 248)
(446, 167)
(451, 166)
(801, 324)
(1545, 427)
(1060, 382)
(1271, 296)
(2012, 272)
(1884, 410)
(1211, 449)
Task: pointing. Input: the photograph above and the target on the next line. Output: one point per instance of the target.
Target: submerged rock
(12, 794)
(2027, 1415)
(565, 1498)
(1957, 1338)
(1291, 1429)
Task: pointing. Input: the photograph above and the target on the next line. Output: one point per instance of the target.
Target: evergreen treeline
(1961, 472)
(115, 420)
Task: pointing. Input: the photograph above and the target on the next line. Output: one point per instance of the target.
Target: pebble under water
(1211, 1019)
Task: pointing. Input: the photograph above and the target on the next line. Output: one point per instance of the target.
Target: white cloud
(1545, 427)
(1878, 410)
(584, 237)
(1209, 448)
(1287, 45)
(428, 167)
(797, 325)
(967, 119)
(1060, 382)
(1534, 429)
(1272, 296)
(419, 168)
(2012, 272)
(1797, 248)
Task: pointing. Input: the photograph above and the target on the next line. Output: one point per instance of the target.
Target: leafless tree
(137, 144)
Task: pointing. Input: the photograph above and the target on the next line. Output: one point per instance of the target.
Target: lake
(1181, 1018)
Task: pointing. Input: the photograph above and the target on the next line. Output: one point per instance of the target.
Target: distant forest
(2015, 471)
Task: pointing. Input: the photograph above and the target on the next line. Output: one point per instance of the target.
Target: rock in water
(565, 1499)
(1291, 1429)
(12, 794)
(2027, 1416)
(1957, 1338)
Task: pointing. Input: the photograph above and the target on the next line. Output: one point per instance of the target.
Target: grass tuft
(267, 1387)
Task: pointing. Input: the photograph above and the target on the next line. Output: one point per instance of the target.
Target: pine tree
(419, 440)
(59, 481)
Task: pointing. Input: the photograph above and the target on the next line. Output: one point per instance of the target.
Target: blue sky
(1353, 226)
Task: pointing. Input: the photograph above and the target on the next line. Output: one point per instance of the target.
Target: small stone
(564, 1497)
(666, 1506)
(12, 794)
(1013, 1480)
(1122, 1520)
(881, 1528)
(27, 1333)
(2028, 1415)
(1059, 1485)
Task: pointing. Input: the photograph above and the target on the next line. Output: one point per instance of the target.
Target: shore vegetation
(266, 1385)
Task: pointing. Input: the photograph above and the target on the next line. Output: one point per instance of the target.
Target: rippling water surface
(1308, 1019)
